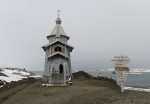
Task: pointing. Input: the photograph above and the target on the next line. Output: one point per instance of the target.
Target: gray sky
(98, 29)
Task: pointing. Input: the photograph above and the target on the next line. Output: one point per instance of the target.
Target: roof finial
(58, 11)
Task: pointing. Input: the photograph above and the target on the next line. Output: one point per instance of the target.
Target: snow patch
(136, 89)
(15, 75)
(11, 76)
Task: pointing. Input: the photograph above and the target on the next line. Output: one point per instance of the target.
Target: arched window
(61, 69)
(58, 49)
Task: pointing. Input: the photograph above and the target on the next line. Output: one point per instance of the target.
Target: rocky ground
(85, 90)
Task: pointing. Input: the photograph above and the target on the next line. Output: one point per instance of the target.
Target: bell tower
(57, 59)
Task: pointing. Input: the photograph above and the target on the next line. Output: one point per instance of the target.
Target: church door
(61, 69)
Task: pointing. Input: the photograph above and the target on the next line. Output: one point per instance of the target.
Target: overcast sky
(98, 29)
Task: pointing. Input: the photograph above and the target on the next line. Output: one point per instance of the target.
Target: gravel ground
(81, 92)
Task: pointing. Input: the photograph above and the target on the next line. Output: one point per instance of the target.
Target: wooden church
(57, 59)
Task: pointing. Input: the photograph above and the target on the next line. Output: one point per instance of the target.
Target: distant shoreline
(134, 80)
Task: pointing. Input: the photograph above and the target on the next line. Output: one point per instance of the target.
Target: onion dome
(58, 21)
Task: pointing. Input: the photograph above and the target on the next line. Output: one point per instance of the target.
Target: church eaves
(58, 53)
(57, 41)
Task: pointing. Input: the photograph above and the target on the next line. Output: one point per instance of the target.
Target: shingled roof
(58, 30)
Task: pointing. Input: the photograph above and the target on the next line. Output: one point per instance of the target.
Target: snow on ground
(15, 75)
(21, 72)
(136, 89)
(11, 76)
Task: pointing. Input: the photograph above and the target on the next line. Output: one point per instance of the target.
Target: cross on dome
(58, 20)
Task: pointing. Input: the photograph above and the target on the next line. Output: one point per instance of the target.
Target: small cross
(58, 11)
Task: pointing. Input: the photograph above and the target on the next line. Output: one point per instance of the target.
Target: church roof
(57, 41)
(57, 53)
(58, 30)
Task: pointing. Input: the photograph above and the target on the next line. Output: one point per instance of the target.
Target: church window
(58, 49)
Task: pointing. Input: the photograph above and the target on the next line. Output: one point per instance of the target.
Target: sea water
(140, 80)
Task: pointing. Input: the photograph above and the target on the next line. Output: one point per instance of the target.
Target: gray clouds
(98, 29)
